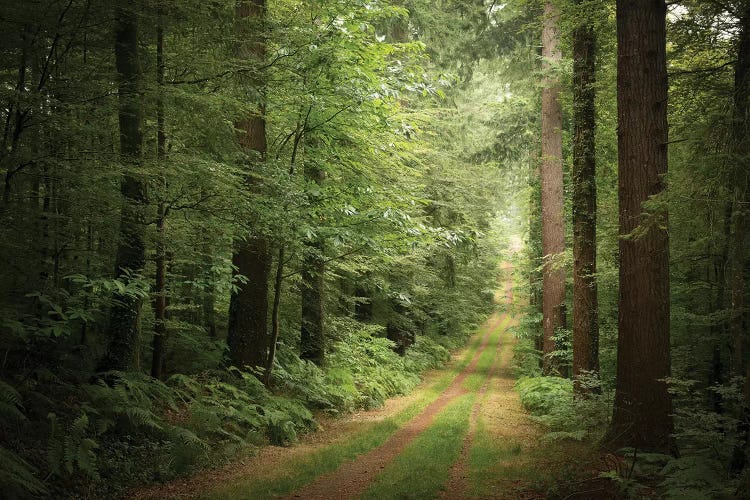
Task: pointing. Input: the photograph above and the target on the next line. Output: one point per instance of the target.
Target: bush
(551, 403)
(542, 395)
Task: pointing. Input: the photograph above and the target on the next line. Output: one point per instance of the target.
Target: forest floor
(461, 434)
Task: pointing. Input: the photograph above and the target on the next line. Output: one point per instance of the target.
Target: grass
(299, 471)
(428, 458)
(433, 452)
(487, 453)
(487, 459)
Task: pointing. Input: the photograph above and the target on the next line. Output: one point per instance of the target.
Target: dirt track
(496, 413)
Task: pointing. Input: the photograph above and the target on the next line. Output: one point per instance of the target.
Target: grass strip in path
(297, 470)
(502, 459)
(420, 471)
(456, 486)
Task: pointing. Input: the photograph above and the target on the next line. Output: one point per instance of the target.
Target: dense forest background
(221, 217)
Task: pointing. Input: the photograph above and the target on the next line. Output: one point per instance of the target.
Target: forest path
(461, 434)
(353, 478)
(499, 429)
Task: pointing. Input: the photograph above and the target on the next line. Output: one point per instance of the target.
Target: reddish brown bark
(553, 226)
(642, 410)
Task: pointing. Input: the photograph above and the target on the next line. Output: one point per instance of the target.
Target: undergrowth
(711, 441)
(103, 435)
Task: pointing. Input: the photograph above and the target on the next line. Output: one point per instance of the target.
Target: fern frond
(17, 477)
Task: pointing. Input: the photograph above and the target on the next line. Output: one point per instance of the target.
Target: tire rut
(457, 487)
(353, 478)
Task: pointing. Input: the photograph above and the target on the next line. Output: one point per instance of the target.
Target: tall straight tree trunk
(160, 288)
(553, 225)
(718, 330)
(741, 145)
(248, 307)
(642, 410)
(131, 250)
(312, 335)
(534, 247)
(585, 306)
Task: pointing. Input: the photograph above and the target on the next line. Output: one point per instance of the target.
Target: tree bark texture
(248, 308)
(741, 144)
(642, 410)
(131, 250)
(160, 282)
(553, 225)
(312, 338)
(585, 305)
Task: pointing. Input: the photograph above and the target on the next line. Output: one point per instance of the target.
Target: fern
(11, 409)
(72, 451)
(17, 478)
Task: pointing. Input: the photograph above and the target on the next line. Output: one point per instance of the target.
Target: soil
(353, 478)
(497, 408)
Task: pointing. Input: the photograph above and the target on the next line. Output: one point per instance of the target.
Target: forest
(320, 248)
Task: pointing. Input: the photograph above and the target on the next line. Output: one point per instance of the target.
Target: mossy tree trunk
(585, 306)
(131, 248)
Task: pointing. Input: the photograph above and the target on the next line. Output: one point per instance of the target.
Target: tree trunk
(160, 289)
(553, 226)
(131, 251)
(248, 308)
(719, 330)
(14, 127)
(534, 247)
(275, 324)
(585, 306)
(737, 284)
(279, 281)
(313, 279)
(741, 145)
(312, 338)
(642, 410)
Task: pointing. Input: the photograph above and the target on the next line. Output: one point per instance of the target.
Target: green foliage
(18, 479)
(695, 477)
(413, 186)
(562, 355)
(70, 450)
(362, 370)
(551, 402)
(540, 395)
(527, 359)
